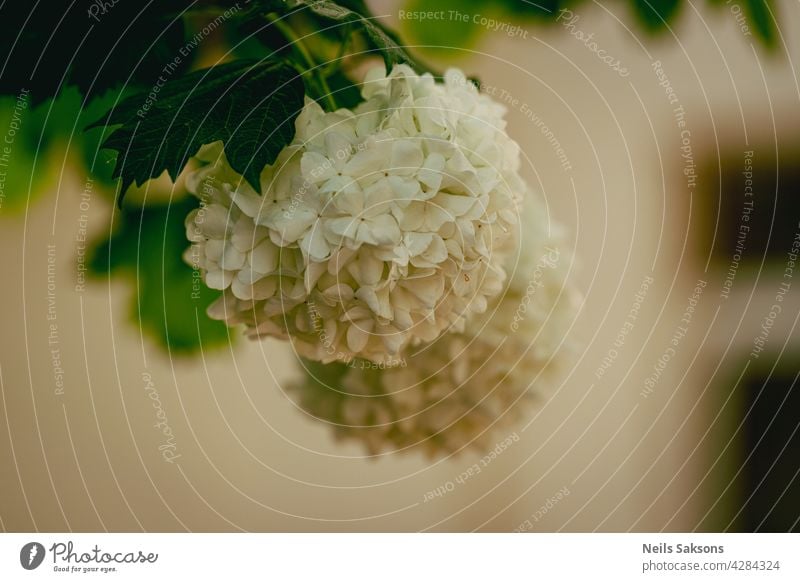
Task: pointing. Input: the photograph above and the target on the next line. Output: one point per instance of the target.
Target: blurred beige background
(89, 459)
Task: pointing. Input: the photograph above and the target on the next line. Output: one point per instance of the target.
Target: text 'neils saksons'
(664, 548)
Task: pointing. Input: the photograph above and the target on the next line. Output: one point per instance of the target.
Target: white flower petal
(406, 157)
(248, 202)
(358, 335)
(316, 168)
(232, 258)
(264, 258)
(219, 279)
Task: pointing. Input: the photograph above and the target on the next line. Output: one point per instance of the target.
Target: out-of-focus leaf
(758, 12)
(548, 9)
(45, 140)
(453, 28)
(655, 15)
(170, 299)
(28, 175)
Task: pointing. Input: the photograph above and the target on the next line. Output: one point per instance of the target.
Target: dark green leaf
(249, 105)
(759, 13)
(170, 301)
(537, 8)
(253, 26)
(656, 14)
(95, 46)
(345, 92)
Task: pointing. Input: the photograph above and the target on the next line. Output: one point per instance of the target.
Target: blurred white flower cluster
(392, 245)
(464, 389)
(378, 228)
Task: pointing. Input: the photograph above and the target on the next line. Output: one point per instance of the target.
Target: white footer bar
(407, 557)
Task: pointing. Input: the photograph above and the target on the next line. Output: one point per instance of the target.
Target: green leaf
(446, 36)
(346, 93)
(22, 128)
(249, 105)
(46, 46)
(40, 141)
(759, 13)
(170, 300)
(655, 15)
(548, 9)
(29, 174)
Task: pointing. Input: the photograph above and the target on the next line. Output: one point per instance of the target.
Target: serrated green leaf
(170, 300)
(248, 105)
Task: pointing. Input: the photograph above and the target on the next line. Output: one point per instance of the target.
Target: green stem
(311, 66)
(336, 62)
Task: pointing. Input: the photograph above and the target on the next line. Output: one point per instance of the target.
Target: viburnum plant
(353, 232)
(382, 226)
(348, 199)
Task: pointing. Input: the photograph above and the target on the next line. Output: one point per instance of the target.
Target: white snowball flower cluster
(378, 228)
(465, 389)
